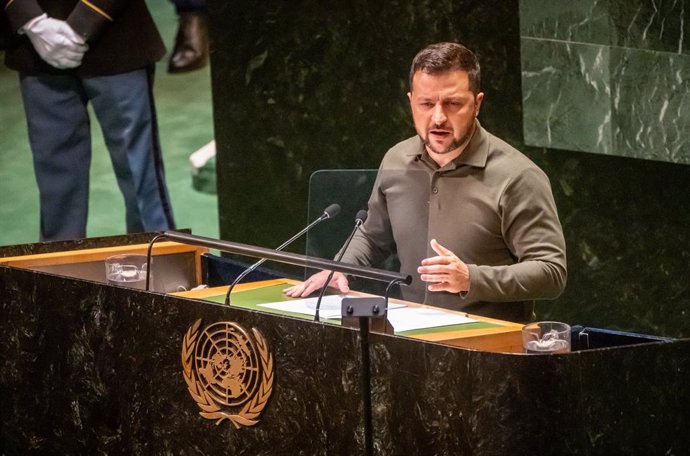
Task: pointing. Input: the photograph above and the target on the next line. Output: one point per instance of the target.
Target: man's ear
(478, 103)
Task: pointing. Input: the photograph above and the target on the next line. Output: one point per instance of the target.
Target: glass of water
(127, 270)
(546, 337)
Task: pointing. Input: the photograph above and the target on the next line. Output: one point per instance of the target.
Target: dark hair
(443, 57)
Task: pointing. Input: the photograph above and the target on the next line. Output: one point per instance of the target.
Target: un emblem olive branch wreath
(210, 409)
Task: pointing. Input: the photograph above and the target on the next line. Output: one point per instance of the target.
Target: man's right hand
(55, 41)
(316, 282)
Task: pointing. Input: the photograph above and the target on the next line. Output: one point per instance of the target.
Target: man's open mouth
(440, 133)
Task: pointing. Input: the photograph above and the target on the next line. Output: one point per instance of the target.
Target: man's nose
(438, 116)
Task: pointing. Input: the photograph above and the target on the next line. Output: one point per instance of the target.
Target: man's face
(443, 110)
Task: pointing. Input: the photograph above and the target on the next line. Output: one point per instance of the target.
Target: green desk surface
(248, 299)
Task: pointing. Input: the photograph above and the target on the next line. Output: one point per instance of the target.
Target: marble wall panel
(651, 104)
(565, 20)
(642, 63)
(650, 24)
(639, 24)
(567, 101)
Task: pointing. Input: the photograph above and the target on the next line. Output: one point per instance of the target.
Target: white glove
(55, 41)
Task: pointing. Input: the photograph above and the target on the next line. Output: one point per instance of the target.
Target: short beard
(453, 145)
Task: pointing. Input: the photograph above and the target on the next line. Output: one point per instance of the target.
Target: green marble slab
(581, 21)
(566, 95)
(608, 77)
(650, 104)
(638, 24)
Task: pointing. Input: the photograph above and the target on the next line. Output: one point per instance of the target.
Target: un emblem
(229, 373)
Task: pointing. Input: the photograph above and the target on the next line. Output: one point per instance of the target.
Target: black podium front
(90, 368)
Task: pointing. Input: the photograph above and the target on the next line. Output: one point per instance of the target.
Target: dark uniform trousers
(115, 77)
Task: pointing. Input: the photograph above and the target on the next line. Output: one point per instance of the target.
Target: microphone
(330, 212)
(360, 218)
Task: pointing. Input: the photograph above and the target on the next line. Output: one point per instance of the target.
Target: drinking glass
(546, 337)
(127, 270)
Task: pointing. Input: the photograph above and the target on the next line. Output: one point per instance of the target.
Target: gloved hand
(55, 41)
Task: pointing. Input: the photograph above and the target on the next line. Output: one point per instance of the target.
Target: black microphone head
(361, 216)
(332, 210)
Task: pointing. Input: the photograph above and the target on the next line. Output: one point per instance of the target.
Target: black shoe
(191, 44)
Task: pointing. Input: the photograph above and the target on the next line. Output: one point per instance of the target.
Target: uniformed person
(69, 53)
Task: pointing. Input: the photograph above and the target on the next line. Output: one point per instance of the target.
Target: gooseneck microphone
(360, 218)
(330, 212)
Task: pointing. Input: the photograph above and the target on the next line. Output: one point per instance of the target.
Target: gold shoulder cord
(96, 9)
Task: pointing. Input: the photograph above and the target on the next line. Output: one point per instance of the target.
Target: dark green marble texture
(607, 100)
(607, 77)
(318, 85)
(90, 368)
(650, 105)
(322, 85)
(651, 25)
(640, 24)
(566, 92)
(563, 20)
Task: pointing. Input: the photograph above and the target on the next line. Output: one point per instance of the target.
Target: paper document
(409, 318)
(330, 306)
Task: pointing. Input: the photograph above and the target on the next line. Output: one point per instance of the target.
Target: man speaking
(472, 219)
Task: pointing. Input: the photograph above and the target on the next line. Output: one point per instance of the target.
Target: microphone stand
(359, 219)
(331, 211)
(148, 259)
(367, 309)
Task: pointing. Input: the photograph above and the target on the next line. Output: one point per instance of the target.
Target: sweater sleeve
(534, 236)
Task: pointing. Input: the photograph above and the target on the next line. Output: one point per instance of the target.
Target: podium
(90, 367)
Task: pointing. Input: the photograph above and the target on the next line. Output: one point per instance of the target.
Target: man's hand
(445, 272)
(55, 41)
(316, 282)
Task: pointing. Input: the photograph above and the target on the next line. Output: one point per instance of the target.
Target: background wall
(317, 85)
(610, 77)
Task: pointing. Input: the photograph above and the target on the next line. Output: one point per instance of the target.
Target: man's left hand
(445, 272)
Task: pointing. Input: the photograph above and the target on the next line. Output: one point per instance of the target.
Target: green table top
(249, 299)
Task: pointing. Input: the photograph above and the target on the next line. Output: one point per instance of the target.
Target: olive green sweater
(491, 206)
